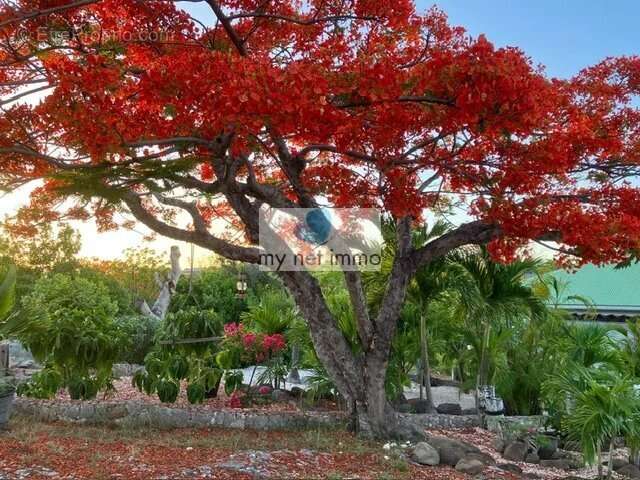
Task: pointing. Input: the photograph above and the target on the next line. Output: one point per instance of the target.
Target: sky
(563, 35)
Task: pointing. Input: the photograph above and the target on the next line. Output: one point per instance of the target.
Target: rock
(481, 457)
(547, 447)
(515, 451)
(404, 408)
(470, 466)
(420, 406)
(559, 463)
(253, 463)
(499, 444)
(280, 396)
(532, 458)
(618, 463)
(425, 454)
(449, 409)
(408, 431)
(451, 451)
(630, 471)
(510, 467)
(469, 411)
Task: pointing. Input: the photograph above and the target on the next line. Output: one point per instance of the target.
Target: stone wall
(500, 423)
(435, 420)
(148, 415)
(151, 415)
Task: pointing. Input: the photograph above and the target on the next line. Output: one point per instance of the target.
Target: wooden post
(4, 359)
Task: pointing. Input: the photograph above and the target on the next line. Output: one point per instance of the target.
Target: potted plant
(7, 391)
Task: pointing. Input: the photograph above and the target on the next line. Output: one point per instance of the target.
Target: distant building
(615, 294)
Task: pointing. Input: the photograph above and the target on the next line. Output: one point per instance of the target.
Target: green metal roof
(606, 287)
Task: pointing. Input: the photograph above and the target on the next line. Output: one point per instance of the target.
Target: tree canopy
(134, 107)
(367, 103)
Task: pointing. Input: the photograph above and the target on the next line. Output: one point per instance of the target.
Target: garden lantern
(241, 285)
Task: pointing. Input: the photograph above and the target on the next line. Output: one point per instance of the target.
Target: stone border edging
(139, 414)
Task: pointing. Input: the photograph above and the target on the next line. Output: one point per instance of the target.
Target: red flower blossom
(235, 401)
(248, 339)
(231, 329)
(274, 343)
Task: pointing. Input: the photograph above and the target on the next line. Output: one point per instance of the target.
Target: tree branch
(226, 24)
(203, 239)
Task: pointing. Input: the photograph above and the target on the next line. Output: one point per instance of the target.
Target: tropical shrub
(165, 370)
(69, 325)
(140, 331)
(209, 290)
(531, 355)
(272, 311)
(173, 361)
(598, 405)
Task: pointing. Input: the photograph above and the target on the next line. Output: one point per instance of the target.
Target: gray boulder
(280, 396)
(618, 463)
(425, 454)
(532, 458)
(547, 447)
(449, 409)
(630, 471)
(515, 451)
(451, 451)
(499, 444)
(419, 406)
(470, 466)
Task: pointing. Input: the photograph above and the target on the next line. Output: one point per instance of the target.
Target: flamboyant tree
(132, 107)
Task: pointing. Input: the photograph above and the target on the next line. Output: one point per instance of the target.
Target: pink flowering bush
(241, 347)
(246, 347)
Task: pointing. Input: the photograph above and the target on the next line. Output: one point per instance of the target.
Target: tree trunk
(610, 469)
(294, 375)
(425, 368)
(483, 368)
(167, 289)
(599, 461)
(373, 415)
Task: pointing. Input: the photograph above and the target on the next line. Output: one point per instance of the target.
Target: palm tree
(492, 297)
(603, 405)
